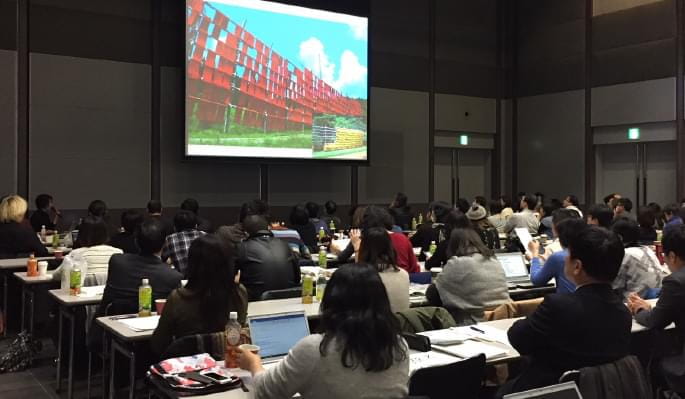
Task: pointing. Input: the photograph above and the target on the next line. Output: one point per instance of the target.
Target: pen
(477, 329)
(128, 316)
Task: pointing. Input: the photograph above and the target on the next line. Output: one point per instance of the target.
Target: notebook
(472, 348)
(276, 334)
(567, 390)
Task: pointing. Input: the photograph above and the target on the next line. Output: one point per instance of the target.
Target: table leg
(112, 354)
(59, 350)
(4, 303)
(132, 375)
(70, 389)
(32, 297)
(23, 305)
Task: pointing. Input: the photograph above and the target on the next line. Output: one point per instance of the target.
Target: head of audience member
(646, 218)
(600, 215)
(376, 249)
(13, 209)
(540, 197)
(627, 230)
(655, 208)
(44, 202)
(358, 216)
(545, 211)
(299, 215)
(673, 243)
(623, 207)
(457, 220)
(313, 209)
(595, 256)
(191, 204)
(439, 210)
(560, 215)
(375, 216)
(154, 207)
(609, 199)
(255, 224)
(254, 207)
(570, 200)
(555, 204)
(476, 213)
(463, 205)
(466, 242)
(92, 231)
(495, 207)
(331, 207)
(671, 211)
(355, 302)
(185, 220)
(150, 237)
(97, 208)
(211, 279)
(528, 202)
(400, 201)
(505, 202)
(130, 220)
(566, 228)
(480, 200)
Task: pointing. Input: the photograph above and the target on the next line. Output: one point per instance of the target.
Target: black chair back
(282, 294)
(463, 380)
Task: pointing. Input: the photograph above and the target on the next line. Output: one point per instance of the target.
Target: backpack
(20, 353)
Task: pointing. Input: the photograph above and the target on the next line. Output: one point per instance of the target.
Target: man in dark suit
(127, 271)
(588, 327)
(265, 262)
(671, 305)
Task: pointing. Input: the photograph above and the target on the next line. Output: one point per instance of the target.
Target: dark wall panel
(8, 24)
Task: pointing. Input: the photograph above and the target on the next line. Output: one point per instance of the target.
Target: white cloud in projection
(314, 57)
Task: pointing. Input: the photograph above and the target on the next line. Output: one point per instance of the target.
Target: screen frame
(281, 160)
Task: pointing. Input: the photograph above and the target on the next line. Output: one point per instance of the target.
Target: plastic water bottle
(145, 299)
(320, 286)
(43, 233)
(307, 289)
(331, 226)
(55, 239)
(32, 266)
(322, 234)
(420, 218)
(232, 341)
(413, 224)
(323, 260)
(432, 248)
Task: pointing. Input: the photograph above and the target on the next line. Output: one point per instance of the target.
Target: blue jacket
(554, 267)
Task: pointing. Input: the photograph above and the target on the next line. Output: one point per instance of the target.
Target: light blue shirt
(554, 267)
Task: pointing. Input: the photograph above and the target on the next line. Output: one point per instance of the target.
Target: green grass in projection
(243, 136)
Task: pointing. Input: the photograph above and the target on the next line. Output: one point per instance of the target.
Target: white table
(28, 285)
(68, 304)
(7, 266)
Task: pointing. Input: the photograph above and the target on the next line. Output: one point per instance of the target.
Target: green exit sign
(464, 139)
(634, 133)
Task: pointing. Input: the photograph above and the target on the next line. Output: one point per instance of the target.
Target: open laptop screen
(513, 265)
(276, 334)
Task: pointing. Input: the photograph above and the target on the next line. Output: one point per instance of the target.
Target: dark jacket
(266, 263)
(125, 275)
(126, 242)
(41, 218)
(308, 234)
(426, 233)
(19, 240)
(402, 217)
(588, 327)
(168, 225)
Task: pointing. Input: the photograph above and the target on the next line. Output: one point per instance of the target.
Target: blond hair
(13, 209)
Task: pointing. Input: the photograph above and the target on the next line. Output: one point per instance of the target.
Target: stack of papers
(88, 292)
(140, 324)
(449, 336)
(472, 348)
(422, 360)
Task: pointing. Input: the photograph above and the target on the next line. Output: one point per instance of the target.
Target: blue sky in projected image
(334, 51)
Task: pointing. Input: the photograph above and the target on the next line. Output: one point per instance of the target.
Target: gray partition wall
(8, 120)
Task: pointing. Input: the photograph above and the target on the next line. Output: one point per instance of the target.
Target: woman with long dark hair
(455, 219)
(376, 249)
(359, 352)
(472, 280)
(204, 304)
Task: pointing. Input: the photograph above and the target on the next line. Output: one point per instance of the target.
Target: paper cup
(249, 347)
(58, 253)
(159, 305)
(417, 251)
(42, 268)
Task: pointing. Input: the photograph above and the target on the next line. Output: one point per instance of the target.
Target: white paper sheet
(524, 236)
(140, 324)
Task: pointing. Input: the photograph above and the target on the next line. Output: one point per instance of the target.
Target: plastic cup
(159, 305)
(58, 253)
(250, 348)
(42, 268)
(417, 251)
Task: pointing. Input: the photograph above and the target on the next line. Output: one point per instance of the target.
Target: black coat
(19, 240)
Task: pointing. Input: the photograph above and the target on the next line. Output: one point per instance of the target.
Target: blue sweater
(553, 267)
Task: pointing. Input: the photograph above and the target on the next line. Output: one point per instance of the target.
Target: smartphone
(217, 378)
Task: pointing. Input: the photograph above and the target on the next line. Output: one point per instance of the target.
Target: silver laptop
(567, 390)
(514, 267)
(277, 333)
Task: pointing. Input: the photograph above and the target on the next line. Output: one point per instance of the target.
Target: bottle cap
(42, 226)
(233, 315)
(432, 242)
(146, 281)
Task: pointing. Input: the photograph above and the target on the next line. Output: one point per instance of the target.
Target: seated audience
(331, 208)
(191, 204)
(344, 360)
(126, 240)
(234, 234)
(300, 222)
(314, 213)
(525, 218)
(571, 202)
(401, 211)
(672, 216)
(375, 248)
(463, 205)
(176, 245)
(17, 238)
(646, 221)
(472, 280)
(126, 272)
(265, 262)
(588, 327)
(93, 238)
(659, 218)
(154, 210)
(600, 215)
(623, 208)
(46, 214)
(204, 304)
(480, 200)
(566, 222)
(640, 269)
(455, 219)
(496, 218)
(98, 208)
(610, 200)
(487, 232)
(507, 210)
(433, 230)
